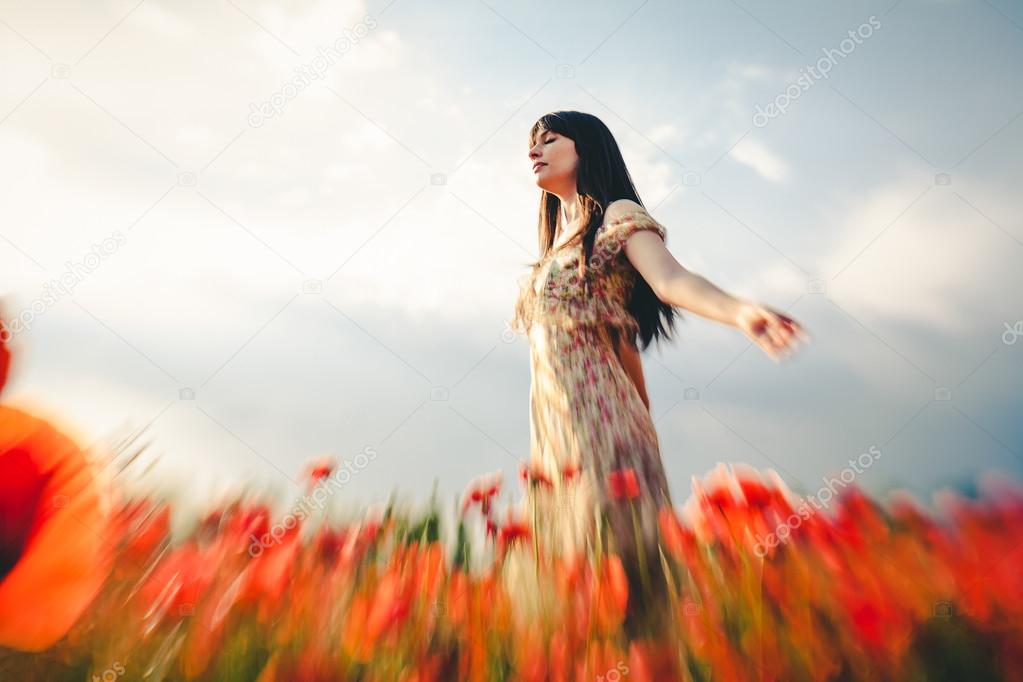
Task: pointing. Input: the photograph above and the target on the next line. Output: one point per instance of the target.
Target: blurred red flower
(319, 469)
(511, 532)
(534, 475)
(481, 490)
(54, 548)
(623, 483)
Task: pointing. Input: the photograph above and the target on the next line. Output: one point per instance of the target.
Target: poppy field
(94, 585)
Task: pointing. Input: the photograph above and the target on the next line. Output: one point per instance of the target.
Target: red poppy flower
(481, 490)
(330, 542)
(270, 572)
(678, 539)
(145, 526)
(512, 532)
(391, 604)
(755, 493)
(623, 483)
(179, 581)
(320, 469)
(570, 471)
(534, 475)
(54, 552)
(612, 593)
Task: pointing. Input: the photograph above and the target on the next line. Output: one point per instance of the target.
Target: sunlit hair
(601, 178)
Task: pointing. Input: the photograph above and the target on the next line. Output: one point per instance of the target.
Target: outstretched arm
(776, 334)
(676, 285)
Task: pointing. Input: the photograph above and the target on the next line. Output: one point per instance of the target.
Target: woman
(605, 280)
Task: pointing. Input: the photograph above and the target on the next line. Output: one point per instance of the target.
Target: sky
(268, 232)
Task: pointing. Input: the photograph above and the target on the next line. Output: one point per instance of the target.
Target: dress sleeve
(618, 231)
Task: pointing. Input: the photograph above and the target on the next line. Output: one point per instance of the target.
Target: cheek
(565, 162)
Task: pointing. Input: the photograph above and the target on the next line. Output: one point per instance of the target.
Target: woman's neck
(569, 223)
(570, 209)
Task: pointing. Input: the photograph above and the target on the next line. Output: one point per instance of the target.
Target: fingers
(794, 327)
(775, 333)
(769, 349)
(784, 333)
(772, 329)
(789, 335)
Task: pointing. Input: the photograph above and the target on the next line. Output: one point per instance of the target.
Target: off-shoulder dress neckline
(554, 249)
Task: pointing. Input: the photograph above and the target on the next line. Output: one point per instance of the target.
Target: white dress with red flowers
(594, 450)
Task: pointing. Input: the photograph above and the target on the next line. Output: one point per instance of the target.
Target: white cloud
(927, 260)
(761, 159)
(751, 72)
(665, 132)
(163, 22)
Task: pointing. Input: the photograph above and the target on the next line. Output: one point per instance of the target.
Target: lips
(537, 166)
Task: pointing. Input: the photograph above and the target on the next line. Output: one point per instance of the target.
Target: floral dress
(594, 454)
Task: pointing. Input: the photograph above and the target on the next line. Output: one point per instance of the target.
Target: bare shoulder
(624, 217)
(621, 207)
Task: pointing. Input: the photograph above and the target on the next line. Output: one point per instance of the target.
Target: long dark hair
(600, 179)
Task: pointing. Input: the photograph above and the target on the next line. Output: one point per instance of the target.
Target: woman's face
(558, 162)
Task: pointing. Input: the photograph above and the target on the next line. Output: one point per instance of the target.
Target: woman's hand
(776, 333)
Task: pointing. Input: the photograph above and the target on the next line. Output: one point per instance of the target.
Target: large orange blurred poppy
(53, 527)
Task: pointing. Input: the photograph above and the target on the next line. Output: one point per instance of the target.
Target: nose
(534, 153)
